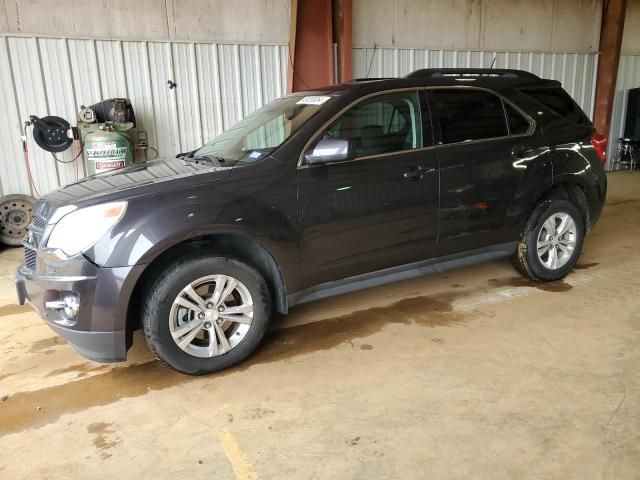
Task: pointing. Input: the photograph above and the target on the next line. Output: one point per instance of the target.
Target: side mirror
(329, 150)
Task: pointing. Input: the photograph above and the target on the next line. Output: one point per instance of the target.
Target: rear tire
(551, 241)
(196, 301)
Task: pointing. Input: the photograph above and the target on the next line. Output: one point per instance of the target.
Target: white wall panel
(138, 80)
(230, 84)
(60, 99)
(165, 109)
(576, 71)
(13, 173)
(31, 100)
(186, 93)
(209, 91)
(217, 85)
(628, 77)
(111, 68)
(84, 70)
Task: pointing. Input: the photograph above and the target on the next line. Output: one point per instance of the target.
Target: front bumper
(98, 331)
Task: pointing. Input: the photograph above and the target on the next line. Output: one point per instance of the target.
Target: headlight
(80, 229)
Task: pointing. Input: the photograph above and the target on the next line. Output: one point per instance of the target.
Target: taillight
(599, 143)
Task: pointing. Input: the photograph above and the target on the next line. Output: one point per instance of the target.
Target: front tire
(202, 314)
(551, 241)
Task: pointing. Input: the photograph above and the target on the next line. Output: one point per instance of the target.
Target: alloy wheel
(211, 316)
(557, 240)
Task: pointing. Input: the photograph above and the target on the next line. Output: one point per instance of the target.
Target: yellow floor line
(241, 466)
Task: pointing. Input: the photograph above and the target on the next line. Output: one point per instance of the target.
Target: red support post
(610, 44)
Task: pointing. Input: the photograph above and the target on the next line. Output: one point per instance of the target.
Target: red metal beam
(313, 47)
(610, 44)
(344, 38)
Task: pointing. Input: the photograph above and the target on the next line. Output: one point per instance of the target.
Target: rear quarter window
(558, 101)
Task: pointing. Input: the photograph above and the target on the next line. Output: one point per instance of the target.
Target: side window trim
(336, 116)
(428, 120)
(436, 117)
(429, 109)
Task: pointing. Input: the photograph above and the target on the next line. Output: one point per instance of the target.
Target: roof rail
(371, 79)
(471, 72)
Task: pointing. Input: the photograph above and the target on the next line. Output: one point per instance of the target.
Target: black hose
(69, 161)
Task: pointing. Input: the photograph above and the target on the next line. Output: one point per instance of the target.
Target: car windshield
(263, 131)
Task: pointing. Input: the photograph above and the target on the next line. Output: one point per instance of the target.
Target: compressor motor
(103, 130)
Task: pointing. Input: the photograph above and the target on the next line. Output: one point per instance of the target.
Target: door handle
(417, 173)
(522, 151)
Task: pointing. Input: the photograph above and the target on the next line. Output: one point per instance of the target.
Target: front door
(379, 207)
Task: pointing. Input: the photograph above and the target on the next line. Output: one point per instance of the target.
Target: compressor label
(109, 165)
(108, 157)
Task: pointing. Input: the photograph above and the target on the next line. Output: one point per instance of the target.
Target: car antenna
(375, 47)
(493, 62)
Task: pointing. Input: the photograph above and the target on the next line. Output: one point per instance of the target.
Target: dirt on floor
(473, 373)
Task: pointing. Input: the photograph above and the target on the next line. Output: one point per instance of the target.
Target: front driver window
(383, 124)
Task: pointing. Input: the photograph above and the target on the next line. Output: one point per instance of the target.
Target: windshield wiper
(191, 157)
(187, 154)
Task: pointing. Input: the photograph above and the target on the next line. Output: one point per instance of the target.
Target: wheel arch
(237, 246)
(567, 190)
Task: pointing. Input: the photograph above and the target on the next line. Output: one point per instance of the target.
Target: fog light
(70, 304)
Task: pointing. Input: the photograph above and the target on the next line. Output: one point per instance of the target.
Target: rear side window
(469, 115)
(559, 101)
(518, 124)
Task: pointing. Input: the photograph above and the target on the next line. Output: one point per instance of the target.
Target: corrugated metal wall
(576, 71)
(628, 77)
(217, 84)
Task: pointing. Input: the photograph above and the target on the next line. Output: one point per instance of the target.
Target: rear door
(488, 167)
(378, 208)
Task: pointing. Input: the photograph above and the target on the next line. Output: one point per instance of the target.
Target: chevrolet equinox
(315, 194)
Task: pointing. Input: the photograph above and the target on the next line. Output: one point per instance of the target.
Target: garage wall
(514, 25)
(631, 37)
(555, 39)
(628, 74)
(228, 57)
(576, 71)
(628, 77)
(224, 21)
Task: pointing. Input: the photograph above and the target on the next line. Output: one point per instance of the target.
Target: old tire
(217, 296)
(551, 241)
(16, 213)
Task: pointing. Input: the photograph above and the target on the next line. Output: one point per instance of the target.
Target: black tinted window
(469, 115)
(559, 101)
(518, 125)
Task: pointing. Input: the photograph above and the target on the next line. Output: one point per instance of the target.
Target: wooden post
(610, 44)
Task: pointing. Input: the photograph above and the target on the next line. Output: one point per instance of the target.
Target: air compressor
(103, 130)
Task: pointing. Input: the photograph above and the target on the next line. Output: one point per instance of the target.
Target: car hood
(126, 183)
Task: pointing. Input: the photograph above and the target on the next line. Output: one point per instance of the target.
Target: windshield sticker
(313, 100)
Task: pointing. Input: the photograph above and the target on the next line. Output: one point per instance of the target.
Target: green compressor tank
(105, 147)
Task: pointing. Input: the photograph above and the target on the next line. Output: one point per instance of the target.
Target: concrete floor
(475, 373)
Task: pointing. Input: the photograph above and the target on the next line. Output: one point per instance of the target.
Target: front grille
(32, 240)
(30, 258)
(39, 222)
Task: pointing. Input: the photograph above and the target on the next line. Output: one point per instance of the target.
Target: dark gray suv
(315, 194)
